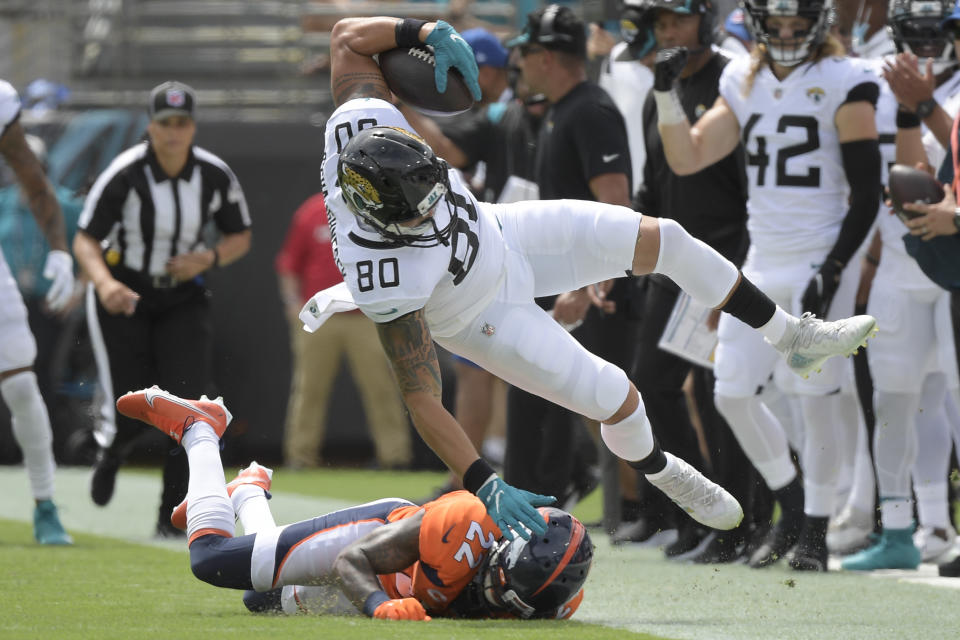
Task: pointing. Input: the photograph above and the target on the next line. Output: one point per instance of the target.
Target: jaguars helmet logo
(359, 193)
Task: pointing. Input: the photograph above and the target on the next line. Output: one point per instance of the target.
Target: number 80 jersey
(452, 283)
(797, 185)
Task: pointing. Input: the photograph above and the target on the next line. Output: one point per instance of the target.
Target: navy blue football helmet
(541, 577)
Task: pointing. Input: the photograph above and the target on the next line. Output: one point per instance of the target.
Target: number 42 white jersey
(797, 186)
(387, 280)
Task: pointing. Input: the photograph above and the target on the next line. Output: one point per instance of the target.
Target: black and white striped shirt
(146, 217)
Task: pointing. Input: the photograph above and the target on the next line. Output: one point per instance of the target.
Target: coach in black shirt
(582, 152)
(711, 205)
(140, 242)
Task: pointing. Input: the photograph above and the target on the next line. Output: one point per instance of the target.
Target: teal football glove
(450, 50)
(513, 508)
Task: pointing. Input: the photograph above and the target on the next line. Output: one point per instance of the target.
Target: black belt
(164, 282)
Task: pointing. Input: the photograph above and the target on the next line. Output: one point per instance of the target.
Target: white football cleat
(850, 531)
(815, 341)
(934, 542)
(707, 502)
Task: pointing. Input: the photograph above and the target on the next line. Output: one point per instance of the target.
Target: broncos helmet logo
(359, 192)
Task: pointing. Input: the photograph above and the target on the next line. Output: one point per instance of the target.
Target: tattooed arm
(387, 549)
(353, 43)
(35, 186)
(409, 347)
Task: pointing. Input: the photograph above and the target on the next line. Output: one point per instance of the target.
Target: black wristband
(907, 120)
(477, 473)
(216, 259)
(407, 32)
(373, 601)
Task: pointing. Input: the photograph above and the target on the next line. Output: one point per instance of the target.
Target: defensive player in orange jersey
(389, 559)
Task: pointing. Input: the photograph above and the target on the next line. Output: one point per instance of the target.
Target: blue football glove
(513, 508)
(450, 50)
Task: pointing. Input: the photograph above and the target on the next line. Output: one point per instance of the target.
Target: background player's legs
(29, 418)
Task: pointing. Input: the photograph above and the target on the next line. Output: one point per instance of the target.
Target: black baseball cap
(172, 98)
(554, 27)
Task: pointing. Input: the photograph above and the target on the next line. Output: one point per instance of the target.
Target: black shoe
(104, 477)
(722, 549)
(810, 554)
(779, 540)
(166, 531)
(950, 569)
(580, 488)
(637, 531)
(689, 536)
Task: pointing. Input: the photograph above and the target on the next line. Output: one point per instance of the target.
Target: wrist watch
(956, 218)
(925, 108)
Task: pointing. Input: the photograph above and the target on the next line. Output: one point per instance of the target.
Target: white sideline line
(132, 514)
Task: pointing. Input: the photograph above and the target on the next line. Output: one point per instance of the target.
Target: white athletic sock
(696, 267)
(781, 325)
(896, 512)
(631, 438)
(895, 441)
(250, 503)
(821, 458)
(933, 506)
(862, 491)
(762, 438)
(208, 506)
(31, 430)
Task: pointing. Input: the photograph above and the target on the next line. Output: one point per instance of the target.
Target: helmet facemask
(801, 47)
(914, 26)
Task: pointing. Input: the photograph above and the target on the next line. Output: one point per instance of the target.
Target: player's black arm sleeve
(861, 163)
(387, 549)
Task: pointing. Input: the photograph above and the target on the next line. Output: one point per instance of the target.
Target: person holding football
(806, 119)
(426, 261)
(389, 559)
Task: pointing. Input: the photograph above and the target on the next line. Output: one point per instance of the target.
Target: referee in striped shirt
(140, 242)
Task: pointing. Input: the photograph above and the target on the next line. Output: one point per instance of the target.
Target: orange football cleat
(255, 474)
(171, 414)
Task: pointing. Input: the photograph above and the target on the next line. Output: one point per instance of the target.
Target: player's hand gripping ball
(437, 79)
(907, 184)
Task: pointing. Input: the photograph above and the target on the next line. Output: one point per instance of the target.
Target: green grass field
(117, 582)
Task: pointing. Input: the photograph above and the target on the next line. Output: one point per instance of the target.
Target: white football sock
(208, 506)
(250, 503)
(895, 442)
(821, 458)
(696, 267)
(933, 454)
(632, 437)
(31, 430)
(762, 438)
(896, 512)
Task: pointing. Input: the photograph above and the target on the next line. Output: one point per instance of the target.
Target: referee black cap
(172, 98)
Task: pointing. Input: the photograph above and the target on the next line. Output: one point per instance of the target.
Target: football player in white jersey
(806, 118)
(18, 349)
(426, 261)
(913, 362)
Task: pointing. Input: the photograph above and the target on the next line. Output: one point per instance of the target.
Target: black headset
(546, 33)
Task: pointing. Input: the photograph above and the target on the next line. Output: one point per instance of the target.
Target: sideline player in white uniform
(426, 262)
(807, 122)
(913, 362)
(18, 349)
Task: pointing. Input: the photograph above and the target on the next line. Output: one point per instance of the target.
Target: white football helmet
(818, 12)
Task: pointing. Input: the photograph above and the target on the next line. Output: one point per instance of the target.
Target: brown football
(907, 184)
(409, 72)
